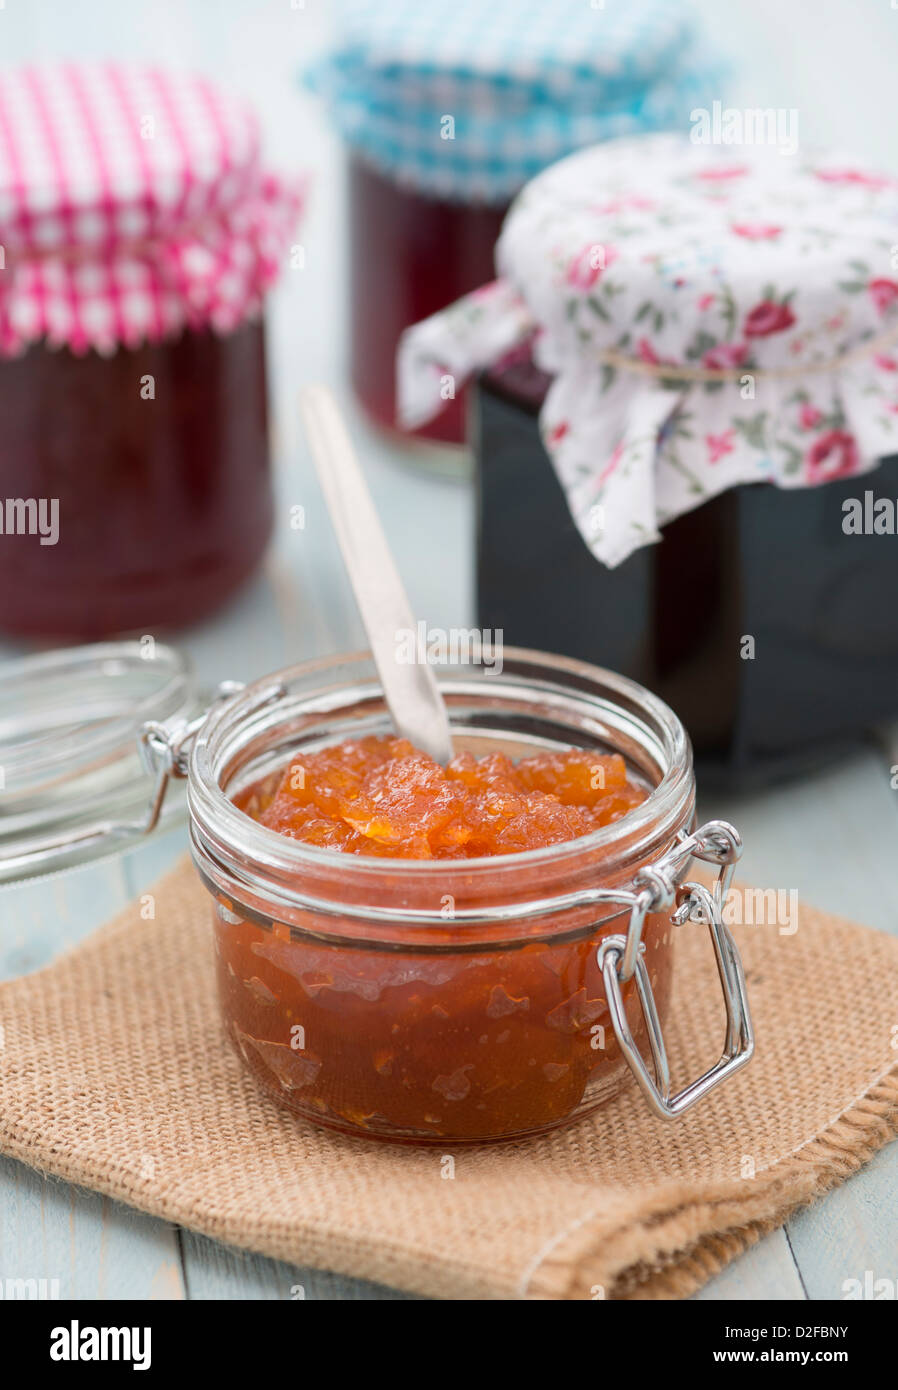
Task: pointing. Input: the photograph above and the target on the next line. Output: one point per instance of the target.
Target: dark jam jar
(139, 235)
(165, 505)
(765, 562)
(447, 111)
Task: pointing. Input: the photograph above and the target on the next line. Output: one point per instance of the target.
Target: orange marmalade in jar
(462, 954)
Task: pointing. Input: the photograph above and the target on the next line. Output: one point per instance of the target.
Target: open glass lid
(75, 783)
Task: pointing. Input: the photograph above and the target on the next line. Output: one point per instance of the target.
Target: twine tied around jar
(675, 372)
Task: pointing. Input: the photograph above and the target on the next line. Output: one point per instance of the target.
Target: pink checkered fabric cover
(133, 203)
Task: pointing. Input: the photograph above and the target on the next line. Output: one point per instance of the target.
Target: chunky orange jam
(432, 1035)
(381, 796)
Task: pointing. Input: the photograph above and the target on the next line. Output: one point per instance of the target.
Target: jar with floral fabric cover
(687, 400)
(139, 233)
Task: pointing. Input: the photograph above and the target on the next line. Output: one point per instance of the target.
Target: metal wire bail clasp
(164, 749)
(620, 957)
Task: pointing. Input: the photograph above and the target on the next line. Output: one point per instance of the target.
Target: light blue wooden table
(833, 837)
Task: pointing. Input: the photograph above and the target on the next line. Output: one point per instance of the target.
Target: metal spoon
(411, 690)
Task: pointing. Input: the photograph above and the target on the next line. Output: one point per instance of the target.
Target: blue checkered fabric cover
(523, 81)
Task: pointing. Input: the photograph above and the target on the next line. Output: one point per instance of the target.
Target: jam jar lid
(133, 202)
(467, 102)
(73, 785)
(709, 315)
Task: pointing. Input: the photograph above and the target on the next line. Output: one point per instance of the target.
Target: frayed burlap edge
(692, 1241)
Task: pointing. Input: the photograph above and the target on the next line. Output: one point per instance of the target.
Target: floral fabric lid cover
(710, 316)
(469, 100)
(133, 203)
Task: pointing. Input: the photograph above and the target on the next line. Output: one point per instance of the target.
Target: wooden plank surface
(49, 1230)
(831, 837)
(215, 1271)
(92, 1247)
(766, 1271)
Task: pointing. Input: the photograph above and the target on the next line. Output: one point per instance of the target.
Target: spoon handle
(411, 690)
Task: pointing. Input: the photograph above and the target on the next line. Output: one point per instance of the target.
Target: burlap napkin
(116, 1074)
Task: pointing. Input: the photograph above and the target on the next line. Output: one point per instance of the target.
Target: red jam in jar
(164, 504)
(439, 1041)
(411, 254)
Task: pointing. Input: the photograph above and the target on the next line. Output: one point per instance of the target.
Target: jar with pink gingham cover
(139, 233)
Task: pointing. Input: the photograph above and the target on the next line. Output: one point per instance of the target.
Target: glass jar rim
(253, 854)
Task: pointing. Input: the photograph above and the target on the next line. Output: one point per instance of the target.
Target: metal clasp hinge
(620, 957)
(164, 751)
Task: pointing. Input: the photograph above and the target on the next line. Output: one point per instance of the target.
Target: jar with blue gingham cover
(448, 109)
